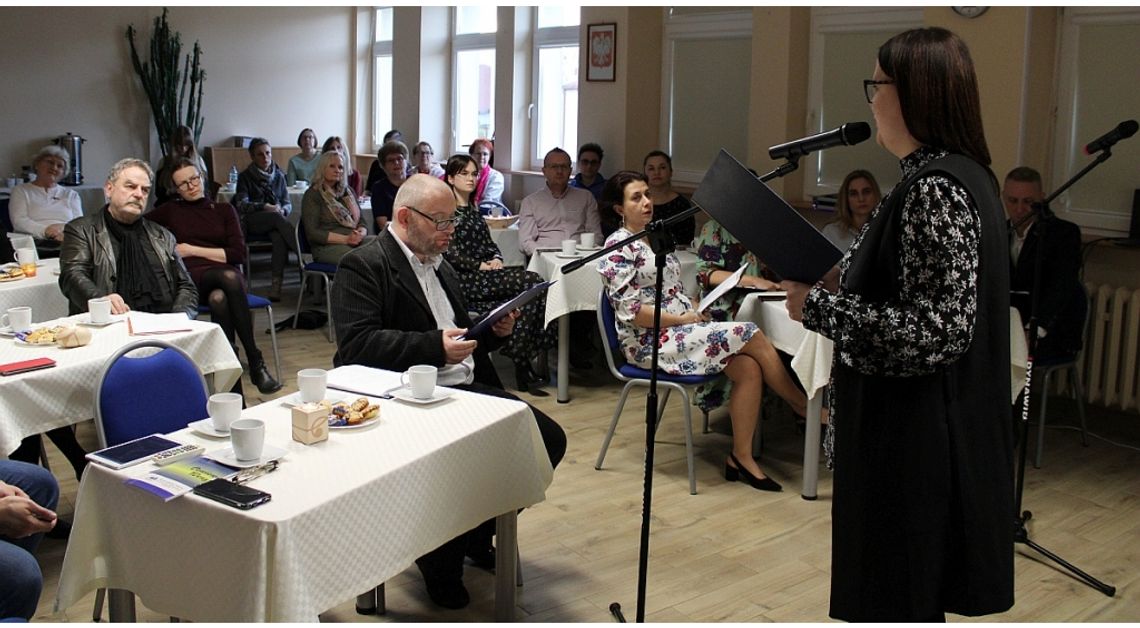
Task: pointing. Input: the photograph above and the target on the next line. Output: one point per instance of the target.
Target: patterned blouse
(471, 244)
(931, 321)
(717, 250)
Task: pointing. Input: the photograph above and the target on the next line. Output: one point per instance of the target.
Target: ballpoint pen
(252, 473)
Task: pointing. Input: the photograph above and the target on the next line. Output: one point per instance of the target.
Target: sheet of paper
(718, 292)
(148, 324)
(363, 380)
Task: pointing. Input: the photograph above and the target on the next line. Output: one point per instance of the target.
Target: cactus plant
(175, 95)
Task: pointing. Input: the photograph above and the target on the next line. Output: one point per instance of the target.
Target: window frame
(548, 37)
(379, 49)
(464, 43)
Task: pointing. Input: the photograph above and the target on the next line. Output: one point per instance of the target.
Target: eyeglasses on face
(189, 183)
(440, 224)
(558, 166)
(395, 159)
(871, 87)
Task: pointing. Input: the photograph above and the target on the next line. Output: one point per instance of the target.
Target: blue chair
(158, 393)
(635, 376)
(318, 270)
(259, 303)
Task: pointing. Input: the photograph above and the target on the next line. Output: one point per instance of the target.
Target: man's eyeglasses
(440, 224)
(559, 166)
(189, 183)
(871, 87)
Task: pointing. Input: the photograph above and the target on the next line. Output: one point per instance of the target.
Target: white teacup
(248, 438)
(18, 318)
(99, 310)
(224, 409)
(420, 379)
(312, 383)
(588, 240)
(302, 184)
(569, 247)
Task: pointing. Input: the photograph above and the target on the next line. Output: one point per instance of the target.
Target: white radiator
(1109, 358)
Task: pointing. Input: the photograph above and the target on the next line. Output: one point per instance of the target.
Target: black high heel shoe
(739, 473)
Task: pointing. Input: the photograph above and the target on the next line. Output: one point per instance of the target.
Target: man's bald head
(422, 200)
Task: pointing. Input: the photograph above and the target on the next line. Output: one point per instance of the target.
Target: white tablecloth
(508, 242)
(41, 293)
(38, 401)
(346, 515)
(811, 360)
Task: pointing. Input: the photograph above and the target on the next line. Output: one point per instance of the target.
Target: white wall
(270, 72)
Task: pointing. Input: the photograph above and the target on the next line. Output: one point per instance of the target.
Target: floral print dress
(695, 349)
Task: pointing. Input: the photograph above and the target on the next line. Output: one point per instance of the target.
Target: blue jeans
(20, 577)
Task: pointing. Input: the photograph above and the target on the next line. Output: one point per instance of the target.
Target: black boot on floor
(259, 375)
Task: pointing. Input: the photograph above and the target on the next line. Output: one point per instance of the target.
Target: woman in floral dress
(690, 344)
(486, 283)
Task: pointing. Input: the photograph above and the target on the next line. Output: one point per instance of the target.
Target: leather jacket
(87, 264)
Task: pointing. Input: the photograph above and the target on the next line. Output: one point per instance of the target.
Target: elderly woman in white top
(41, 208)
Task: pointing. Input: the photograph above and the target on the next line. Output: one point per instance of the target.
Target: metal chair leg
(300, 299)
(273, 341)
(1079, 395)
(613, 426)
(689, 442)
(97, 613)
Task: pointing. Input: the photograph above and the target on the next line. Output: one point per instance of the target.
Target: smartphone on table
(232, 494)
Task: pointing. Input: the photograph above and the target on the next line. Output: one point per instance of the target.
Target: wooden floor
(729, 553)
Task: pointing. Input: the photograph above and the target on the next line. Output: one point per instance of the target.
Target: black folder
(764, 223)
(526, 296)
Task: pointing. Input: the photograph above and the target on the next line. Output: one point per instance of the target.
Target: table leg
(564, 358)
(121, 605)
(506, 557)
(811, 445)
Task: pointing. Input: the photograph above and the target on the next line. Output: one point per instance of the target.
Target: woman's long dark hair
(455, 164)
(938, 90)
(613, 196)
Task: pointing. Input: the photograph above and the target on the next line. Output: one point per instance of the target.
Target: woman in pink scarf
(489, 187)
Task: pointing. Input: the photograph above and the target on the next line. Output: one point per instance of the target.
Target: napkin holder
(310, 423)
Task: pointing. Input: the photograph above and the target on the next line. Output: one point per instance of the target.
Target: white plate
(439, 394)
(294, 399)
(205, 427)
(226, 456)
(371, 421)
(589, 249)
(86, 322)
(6, 331)
(562, 255)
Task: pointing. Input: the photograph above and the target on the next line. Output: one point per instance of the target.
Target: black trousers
(446, 561)
(280, 232)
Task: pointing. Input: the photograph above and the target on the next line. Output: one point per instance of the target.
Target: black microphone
(847, 135)
(1123, 131)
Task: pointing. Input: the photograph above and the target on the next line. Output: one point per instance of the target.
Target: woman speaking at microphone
(919, 312)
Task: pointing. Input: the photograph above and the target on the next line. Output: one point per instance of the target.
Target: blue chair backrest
(302, 239)
(157, 393)
(606, 311)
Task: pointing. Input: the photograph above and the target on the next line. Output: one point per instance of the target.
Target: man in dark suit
(1062, 304)
(398, 303)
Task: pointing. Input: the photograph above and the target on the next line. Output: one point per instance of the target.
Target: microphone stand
(662, 244)
(1020, 533)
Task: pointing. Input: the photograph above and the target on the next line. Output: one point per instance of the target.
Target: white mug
(588, 240)
(99, 310)
(420, 380)
(569, 247)
(224, 409)
(18, 318)
(302, 184)
(312, 383)
(25, 256)
(248, 438)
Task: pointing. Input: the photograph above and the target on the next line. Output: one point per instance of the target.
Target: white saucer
(86, 322)
(226, 456)
(439, 394)
(331, 396)
(562, 255)
(205, 427)
(588, 249)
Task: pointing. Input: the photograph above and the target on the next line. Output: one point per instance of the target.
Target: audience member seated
(857, 198)
(1062, 306)
(489, 187)
(422, 162)
(352, 175)
(262, 199)
(376, 170)
(398, 303)
(557, 212)
(28, 498)
(180, 144)
(690, 343)
(211, 244)
(589, 178)
(486, 283)
(41, 208)
(303, 164)
(393, 160)
(658, 166)
(330, 215)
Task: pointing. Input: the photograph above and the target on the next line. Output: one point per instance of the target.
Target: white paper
(363, 380)
(725, 286)
(148, 324)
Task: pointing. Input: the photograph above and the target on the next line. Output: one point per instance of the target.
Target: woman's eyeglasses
(189, 183)
(871, 87)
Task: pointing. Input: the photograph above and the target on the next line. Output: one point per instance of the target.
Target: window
(473, 89)
(382, 74)
(1098, 50)
(554, 113)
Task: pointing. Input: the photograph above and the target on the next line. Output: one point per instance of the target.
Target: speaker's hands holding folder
(797, 292)
(454, 349)
(505, 326)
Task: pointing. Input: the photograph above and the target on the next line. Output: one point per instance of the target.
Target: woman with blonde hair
(353, 175)
(330, 215)
(857, 197)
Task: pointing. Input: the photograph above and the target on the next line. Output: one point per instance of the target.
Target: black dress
(483, 290)
(922, 521)
(683, 231)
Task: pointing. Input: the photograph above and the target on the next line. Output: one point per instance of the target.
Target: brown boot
(275, 290)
